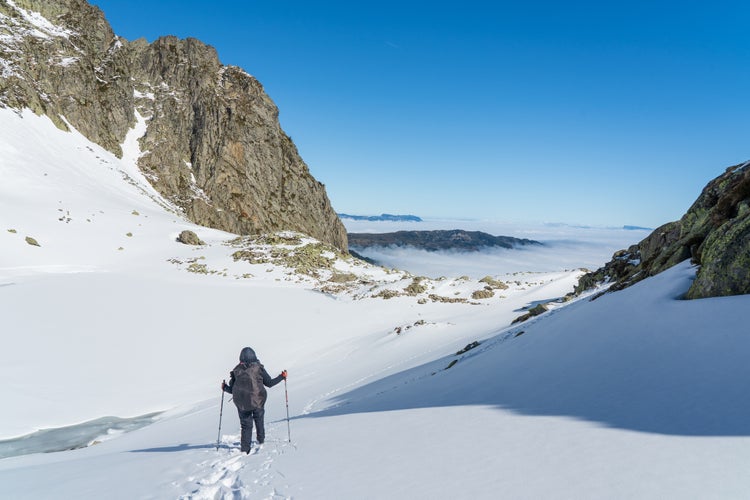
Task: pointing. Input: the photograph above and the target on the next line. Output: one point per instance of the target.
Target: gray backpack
(248, 390)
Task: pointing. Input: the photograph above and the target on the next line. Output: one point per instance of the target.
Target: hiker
(246, 385)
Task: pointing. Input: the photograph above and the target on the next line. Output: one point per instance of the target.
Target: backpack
(248, 390)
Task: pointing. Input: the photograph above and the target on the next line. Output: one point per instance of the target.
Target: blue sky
(603, 113)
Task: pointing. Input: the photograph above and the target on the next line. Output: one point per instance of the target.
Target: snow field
(635, 395)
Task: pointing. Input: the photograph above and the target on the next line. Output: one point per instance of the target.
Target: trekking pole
(288, 429)
(221, 412)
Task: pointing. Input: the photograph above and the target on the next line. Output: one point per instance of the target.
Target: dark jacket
(247, 384)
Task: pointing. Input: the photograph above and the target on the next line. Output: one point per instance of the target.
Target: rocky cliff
(212, 145)
(714, 233)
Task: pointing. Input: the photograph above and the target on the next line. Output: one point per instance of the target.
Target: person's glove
(283, 374)
(223, 385)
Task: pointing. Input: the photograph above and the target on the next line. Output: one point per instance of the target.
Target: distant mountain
(714, 234)
(382, 217)
(637, 228)
(455, 239)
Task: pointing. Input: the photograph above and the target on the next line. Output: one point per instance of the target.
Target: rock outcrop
(714, 233)
(212, 145)
(188, 237)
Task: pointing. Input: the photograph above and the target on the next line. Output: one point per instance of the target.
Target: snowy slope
(635, 395)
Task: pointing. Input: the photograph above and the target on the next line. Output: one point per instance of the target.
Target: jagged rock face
(714, 233)
(62, 62)
(213, 144)
(724, 255)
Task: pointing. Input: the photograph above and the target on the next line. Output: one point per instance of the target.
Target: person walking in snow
(247, 385)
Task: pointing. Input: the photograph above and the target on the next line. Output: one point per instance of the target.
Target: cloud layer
(564, 247)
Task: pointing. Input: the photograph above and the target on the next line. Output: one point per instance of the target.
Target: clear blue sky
(604, 113)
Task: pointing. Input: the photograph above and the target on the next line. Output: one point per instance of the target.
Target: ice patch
(74, 436)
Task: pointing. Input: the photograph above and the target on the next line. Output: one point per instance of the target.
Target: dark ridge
(358, 256)
(455, 239)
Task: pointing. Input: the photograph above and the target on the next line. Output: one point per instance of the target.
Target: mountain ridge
(213, 144)
(454, 239)
(382, 217)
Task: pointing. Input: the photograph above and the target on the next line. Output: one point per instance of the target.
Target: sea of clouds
(563, 247)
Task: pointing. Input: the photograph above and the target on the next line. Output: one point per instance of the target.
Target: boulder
(189, 238)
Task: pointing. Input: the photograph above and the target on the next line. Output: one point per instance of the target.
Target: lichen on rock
(534, 311)
(387, 294)
(726, 261)
(416, 287)
(493, 283)
(482, 294)
(714, 234)
(188, 237)
(338, 277)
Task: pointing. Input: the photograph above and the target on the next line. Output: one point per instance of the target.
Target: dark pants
(246, 424)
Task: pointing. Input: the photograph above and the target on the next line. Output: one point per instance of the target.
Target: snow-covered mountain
(116, 337)
(636, 395)
(210, 138)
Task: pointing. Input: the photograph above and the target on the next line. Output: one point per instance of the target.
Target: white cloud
(564, 247)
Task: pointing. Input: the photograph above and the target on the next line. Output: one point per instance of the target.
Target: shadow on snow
(693, 393)
(182, 447)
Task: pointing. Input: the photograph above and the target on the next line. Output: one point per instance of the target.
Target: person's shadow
(183, 447)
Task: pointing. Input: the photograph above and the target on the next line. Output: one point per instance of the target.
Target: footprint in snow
(221, 479)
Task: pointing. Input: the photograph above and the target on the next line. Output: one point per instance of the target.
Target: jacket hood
(248, 355)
